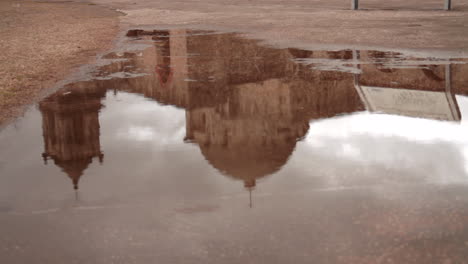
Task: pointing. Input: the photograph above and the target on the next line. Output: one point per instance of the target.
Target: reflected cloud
(137, 133)
(383, 125)
(382, 148)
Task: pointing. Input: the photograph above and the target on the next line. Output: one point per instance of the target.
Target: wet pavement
(207, 147)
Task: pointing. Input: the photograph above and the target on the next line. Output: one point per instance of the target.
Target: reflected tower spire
(250, 186)
(71, 130)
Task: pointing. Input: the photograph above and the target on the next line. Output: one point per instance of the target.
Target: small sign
(415, 103)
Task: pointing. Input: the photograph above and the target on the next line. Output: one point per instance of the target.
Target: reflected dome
(249, 162)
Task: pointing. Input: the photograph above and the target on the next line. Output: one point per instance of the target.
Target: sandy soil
(41, 42)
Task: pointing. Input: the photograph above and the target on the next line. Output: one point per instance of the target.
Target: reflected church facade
(246, 105)
(71, 131)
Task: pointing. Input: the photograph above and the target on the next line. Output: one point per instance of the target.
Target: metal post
(357, 86)
(448, 5)
(451, 100)
(355, 4)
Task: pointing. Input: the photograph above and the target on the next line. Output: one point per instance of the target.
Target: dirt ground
(395, 24)
(41, 42)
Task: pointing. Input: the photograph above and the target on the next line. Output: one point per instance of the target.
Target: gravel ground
(41, 42)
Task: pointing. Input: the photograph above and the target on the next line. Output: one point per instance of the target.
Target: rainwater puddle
(207, 141)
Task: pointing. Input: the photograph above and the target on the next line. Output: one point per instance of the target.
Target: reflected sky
(249, 112)
(354, 135)
(176, 144)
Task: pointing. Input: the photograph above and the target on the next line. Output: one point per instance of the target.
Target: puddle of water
(214, 119)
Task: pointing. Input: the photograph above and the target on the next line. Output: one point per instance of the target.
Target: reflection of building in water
(249, 136)
(246, 105)
(70, 127)
(424, 91)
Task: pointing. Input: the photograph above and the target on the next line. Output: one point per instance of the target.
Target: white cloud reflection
(132, 119)
(419, 148)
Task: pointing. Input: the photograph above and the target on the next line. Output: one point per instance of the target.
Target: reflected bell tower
(71, 131)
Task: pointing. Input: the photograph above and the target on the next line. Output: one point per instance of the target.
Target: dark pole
(448, 5)
(355, 4)
(451, 100)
